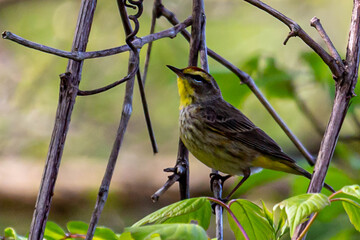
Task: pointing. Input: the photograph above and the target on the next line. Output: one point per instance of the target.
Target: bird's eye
(198, 78)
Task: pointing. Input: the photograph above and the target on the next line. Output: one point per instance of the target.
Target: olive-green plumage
(219, 135)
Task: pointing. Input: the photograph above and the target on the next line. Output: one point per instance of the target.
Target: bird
(221, 136)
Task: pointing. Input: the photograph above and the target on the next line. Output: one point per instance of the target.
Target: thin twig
(296, 30)
(176, 29)
(171, 180)
(315, 22)
(82, 55)
(245, 78)
(110, 86)
(146, 112)
(68, 85)
(306, 229)
(152, 30)
(125, 117)
(180, 169)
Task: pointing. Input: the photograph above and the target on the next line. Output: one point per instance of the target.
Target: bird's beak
(176, 70)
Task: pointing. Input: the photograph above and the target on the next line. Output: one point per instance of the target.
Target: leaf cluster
(190, 218)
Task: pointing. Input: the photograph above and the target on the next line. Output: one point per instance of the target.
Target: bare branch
(78, 56)
(296, 30)
(15, 38)
(110, 86)
(344, 92)
(172, 179)
(199, 15)
(245, 78)
(315, 22)
(155, 13)
(125, 117)
(146, 113)
(68, 85)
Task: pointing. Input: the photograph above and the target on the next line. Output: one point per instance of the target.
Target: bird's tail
(308, 175)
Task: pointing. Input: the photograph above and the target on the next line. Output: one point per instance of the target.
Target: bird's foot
(216, 176)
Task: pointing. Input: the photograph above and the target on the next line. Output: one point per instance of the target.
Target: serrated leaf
(77, 227)
(252, 219)
(353, 190)
(53, 231)
(103, 233)
(193, 209)
(179, 231)
(298, 208)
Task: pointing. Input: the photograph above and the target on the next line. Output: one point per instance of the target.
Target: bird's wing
(230, 122)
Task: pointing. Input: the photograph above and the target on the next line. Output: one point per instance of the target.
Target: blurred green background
(290, 76)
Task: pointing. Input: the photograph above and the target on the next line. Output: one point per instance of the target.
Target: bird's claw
(216, 176)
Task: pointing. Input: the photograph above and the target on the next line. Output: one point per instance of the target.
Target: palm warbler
(220, 136)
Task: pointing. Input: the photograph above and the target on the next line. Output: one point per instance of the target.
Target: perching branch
(67, 95)
(79, 55)
(199, 23)
(296, 30)
(245, 78)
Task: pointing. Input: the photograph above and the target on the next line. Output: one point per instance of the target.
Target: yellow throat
(186, 93)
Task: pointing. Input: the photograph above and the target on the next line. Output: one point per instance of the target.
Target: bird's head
(195, 85)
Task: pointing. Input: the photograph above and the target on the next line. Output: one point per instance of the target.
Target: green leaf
(231, 89)
(353, 190)
(126, 236)
(320, 70)
(251, 218)
(10, 234)
(281, 226)
(193, 209)
(298, 208)
(103, 233)
(276, 82)
(179, 231)
(251, 65)
(352, 209)
(268, 215)
(53, 231)
(77, 227)
(355, 101)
